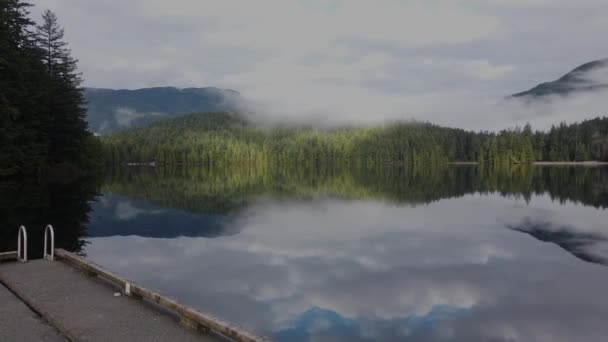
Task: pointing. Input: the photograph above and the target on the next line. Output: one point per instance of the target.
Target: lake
(450, 253)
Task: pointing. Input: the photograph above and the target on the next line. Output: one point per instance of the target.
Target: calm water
(449, 254)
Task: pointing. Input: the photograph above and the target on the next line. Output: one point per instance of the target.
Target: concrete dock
(19, 323)
(74, 300)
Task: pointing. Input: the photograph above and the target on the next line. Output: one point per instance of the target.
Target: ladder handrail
(49, 256)
(22, 254)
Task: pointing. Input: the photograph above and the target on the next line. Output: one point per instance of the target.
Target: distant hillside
(587, 77)
(111, 110)
(586, 246)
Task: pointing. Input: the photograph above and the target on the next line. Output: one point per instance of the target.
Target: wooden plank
(191, 317)
(8, 256)
(90, 267)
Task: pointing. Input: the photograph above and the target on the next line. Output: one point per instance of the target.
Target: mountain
(587, 246)
(587, 77)
(111, 110)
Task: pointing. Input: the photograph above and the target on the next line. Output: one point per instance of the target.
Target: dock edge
(190, 317)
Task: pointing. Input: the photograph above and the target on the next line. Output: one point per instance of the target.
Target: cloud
(596, 77)
(126, 211)
(311, 24)
(544, 3)
(125, 116)
(486, 71)
(552, 110)
(338, 61)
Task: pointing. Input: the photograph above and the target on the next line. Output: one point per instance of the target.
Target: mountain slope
(587, 246)
(111, 110)
(587, 77)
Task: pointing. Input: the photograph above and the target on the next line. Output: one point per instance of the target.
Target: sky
(346, 61)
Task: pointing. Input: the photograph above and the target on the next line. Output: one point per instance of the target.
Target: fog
(452, 109)
(333, 62)
(339, 104)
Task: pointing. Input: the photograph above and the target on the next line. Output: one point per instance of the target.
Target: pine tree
(23, 139)
(581, 153)
(65, 99)
(41, 102)
(49, 37)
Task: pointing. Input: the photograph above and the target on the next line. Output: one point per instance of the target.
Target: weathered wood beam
(190, 317)
(8, 256)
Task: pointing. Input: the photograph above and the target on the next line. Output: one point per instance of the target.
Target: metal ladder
(49, 230)
(22, 244)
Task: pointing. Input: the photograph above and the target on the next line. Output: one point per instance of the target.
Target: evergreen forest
(227, 138)
(42, 125)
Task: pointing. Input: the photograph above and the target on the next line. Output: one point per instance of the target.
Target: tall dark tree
(41, 103)
(23, 134)
(65, 99)
(49, 37)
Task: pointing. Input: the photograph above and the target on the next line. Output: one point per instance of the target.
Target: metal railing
(22, 245)
(49, 231)
(22, 255)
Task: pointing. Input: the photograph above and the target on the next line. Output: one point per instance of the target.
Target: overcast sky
(446, 61)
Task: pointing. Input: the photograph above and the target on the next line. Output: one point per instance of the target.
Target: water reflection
(368, 255)
(591, 246)
(115, 215)
(36, 203)
(223, 191)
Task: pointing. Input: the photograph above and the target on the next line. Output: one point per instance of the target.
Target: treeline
(583, 141)
(223, 138)
(42, 111)
(224, 190)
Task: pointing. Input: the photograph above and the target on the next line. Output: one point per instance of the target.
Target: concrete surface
(86, 309)
(19, 323)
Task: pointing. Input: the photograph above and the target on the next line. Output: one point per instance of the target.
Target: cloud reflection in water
(347, 270)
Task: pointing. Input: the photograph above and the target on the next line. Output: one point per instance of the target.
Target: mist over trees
(42, 125)
(221, 138)
(41, 101)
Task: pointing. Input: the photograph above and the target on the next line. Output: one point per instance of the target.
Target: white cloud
(486, 71)
(291, 25)
(598, 76)
(545, 3)
(358, 61)
(482, 70)
(125, 116)
(126, 211)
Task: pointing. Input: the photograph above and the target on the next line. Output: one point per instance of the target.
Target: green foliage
(220, 138)
(41, 102)
(223, 138)
(224, 189)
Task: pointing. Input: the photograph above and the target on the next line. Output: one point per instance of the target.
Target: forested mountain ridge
(590, 76)
(110, 110)
(225, 138)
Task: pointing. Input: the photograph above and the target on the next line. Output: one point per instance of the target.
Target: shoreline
(566, 163)
(547, 163)
(537, 163)
(463, 163)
